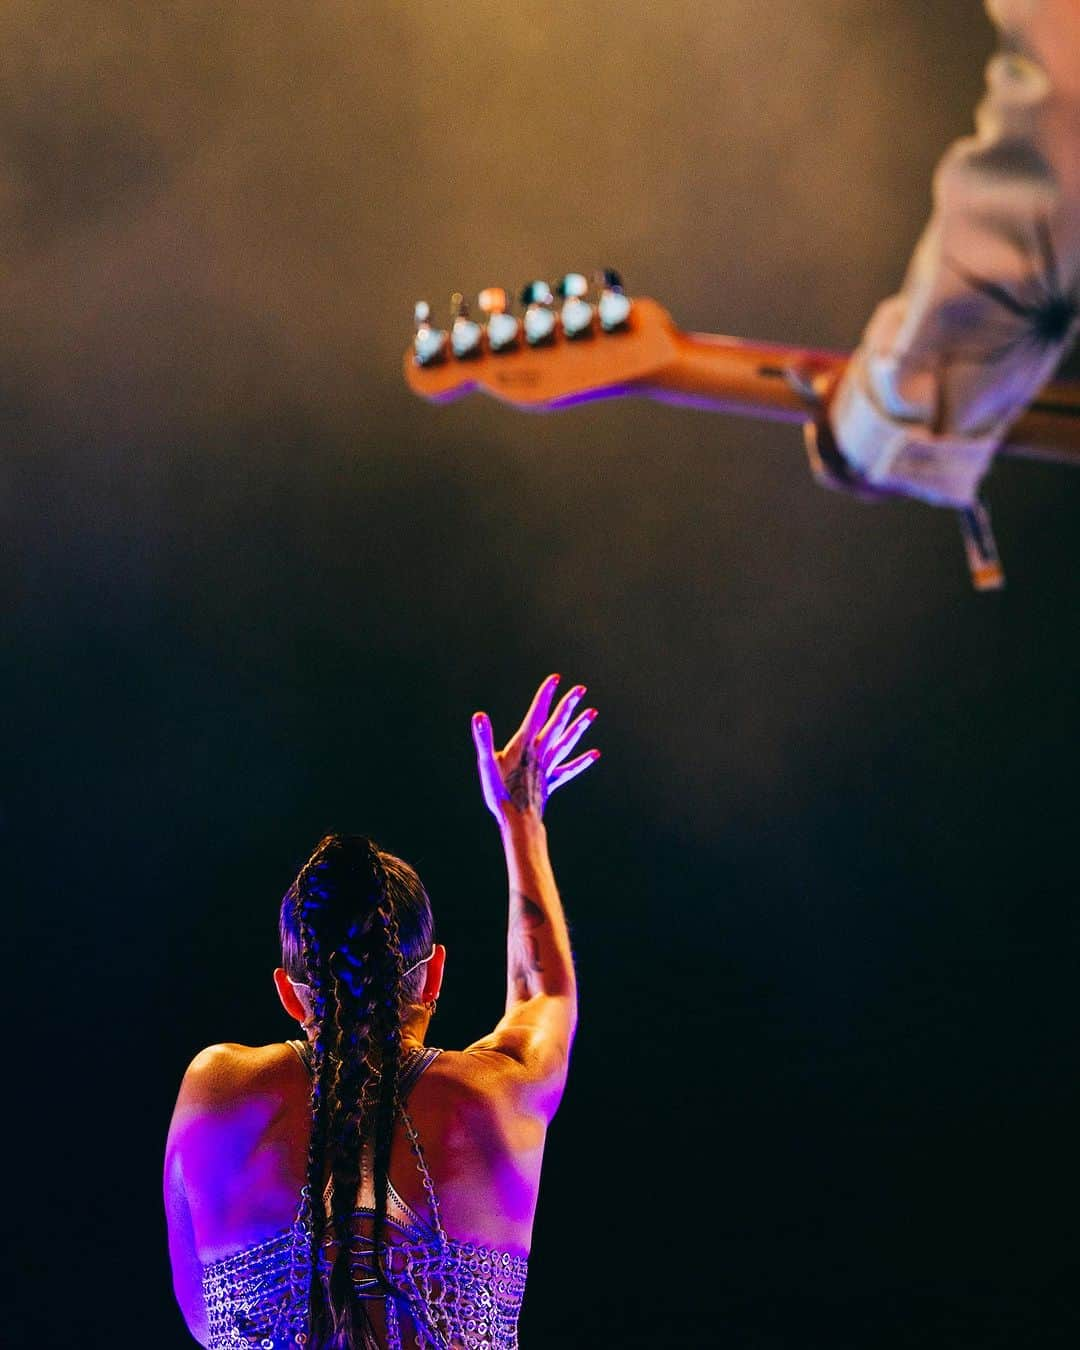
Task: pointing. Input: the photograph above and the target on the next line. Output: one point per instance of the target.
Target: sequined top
(447, 1295)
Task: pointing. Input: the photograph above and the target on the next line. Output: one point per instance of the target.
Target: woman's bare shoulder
(458, 1070)
(226, 1074)
(476, 1090)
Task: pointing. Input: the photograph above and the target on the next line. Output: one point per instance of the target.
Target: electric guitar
(560, 354)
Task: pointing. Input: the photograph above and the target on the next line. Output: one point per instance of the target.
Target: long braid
(358, 965)
(355, 977)
(388, 1029)
(325, 1052)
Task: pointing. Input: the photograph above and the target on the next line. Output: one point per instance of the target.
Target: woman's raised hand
(532, 764)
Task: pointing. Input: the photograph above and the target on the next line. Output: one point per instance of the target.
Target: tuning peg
(577, 313)
(502, 327)
(429, 344)
(537, 293)
(493, 300)
(539, 312)
(465, 334)
(614, 304)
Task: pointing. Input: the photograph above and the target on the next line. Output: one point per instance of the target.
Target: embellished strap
(303, 1052)
(420, 1062)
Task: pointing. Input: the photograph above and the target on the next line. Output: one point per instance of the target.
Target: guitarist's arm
(989, 304)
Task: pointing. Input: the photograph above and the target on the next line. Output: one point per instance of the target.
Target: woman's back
(459, 1263)
(245, 1158)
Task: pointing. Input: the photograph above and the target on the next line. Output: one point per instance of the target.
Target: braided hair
(351, 923)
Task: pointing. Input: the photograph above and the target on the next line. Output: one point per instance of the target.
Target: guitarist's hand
(827, 463)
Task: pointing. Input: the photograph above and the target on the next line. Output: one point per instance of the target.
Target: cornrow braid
(351, 956)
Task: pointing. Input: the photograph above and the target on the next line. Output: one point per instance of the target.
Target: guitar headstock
(565, 347)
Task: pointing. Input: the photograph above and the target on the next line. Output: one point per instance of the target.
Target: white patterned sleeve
(989, 304)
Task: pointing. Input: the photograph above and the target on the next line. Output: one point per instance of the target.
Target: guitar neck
(773, 381)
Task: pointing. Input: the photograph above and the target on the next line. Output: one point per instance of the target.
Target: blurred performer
(992, 295)
(355, 1188)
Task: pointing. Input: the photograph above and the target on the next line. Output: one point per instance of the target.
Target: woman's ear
(434, 979)
(290, 999)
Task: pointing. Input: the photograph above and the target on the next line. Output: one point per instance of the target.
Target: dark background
(822, 884)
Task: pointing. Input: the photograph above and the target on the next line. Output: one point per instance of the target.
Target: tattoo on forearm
(525, 783)
(532, 916)
(525, 918)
